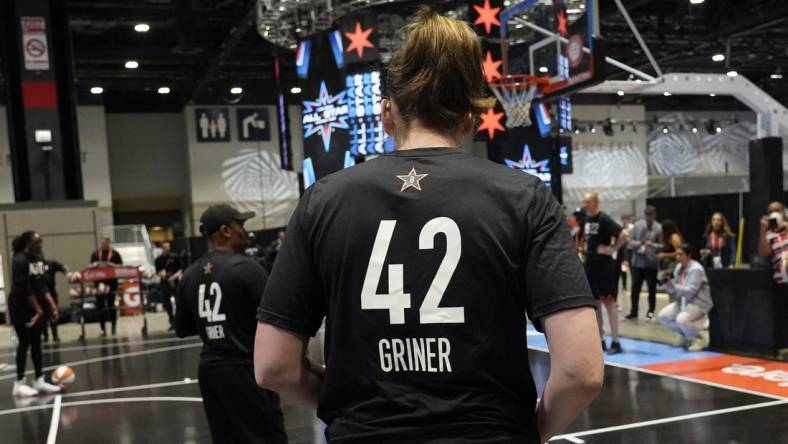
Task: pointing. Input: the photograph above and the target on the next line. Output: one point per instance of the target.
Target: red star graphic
(487, 16)
(359, 40)
(491, 121)
(490, 68)
(561, 16)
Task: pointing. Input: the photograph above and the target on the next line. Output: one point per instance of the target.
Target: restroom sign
(34, 44)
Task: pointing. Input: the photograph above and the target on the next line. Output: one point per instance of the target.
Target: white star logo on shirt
(411, 180)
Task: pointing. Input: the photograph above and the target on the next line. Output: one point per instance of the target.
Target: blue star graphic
(325, 114)
(528, 164)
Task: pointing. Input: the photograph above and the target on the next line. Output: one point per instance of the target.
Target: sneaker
(699, 344)
(650, 316)
(22, 390)
(631, 317)
(615, 348)
(682, 342)
(604, 346)
(45, 387)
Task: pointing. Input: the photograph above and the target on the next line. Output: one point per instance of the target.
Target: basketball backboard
(555, 38)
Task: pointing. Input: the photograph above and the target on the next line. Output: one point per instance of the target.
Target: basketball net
(516, 93)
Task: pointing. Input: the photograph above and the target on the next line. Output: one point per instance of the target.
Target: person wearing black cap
(217, 299)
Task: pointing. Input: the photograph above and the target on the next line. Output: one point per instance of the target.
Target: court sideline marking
(55, 420)
(680, 378)
(111, 358)
(652, 422)
(130, 388)
(98, 346)
(103, 401)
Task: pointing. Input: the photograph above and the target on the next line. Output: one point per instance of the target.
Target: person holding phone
(774, 240)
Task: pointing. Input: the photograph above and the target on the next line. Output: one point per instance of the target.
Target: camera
(773, 223)
(662, 280)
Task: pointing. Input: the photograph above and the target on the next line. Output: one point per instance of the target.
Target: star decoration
(491, 121)
(561, 17)
(528, 164)
(411, 180)
(490, 68)
(487, 16)
(325, 114)
(207, 268)
(359, 40)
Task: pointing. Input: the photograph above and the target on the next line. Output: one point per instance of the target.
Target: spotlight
(593, 129)
(665, 129)
(776, 76)
(543, 69)
(132, 64)
(718, 130)
(142, 27)
(694, 130)
(236, 90)
(712, 95)
(718, 57)
(96, 90)
(667, 94)
(577, 130)
(732, 73)
(295, 90)
(620, 93)
(696, 2)
(164, 90)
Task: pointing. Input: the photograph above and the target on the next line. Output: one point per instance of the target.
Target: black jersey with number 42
(217, 299)
(424, 263)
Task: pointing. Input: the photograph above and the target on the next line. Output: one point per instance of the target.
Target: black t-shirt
(424, 263)
(600, 230)
(110, 256)
(217, 298)
(50, 269)
(170, 264)
(28, 275)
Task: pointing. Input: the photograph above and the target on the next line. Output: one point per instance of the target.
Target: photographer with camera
(690, 286)
(774, 241)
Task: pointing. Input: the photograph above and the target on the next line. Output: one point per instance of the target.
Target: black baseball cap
(217, 215)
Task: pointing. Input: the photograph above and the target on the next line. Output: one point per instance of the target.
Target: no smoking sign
(35, 48)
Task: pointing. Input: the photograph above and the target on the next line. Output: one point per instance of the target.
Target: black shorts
(238, 410)
(600, 271)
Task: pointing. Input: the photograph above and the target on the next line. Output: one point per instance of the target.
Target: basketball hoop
(516, 93)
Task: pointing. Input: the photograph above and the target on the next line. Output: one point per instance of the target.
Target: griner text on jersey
(214, 331)
(429, 355)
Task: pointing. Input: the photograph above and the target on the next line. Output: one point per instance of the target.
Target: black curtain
(692, 213)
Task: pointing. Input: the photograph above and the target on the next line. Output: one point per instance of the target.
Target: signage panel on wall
(212, 124)
(253, 124)
(360, 38)
(34, 43)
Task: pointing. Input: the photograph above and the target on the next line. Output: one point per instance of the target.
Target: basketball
(74, 277)
(63, 376)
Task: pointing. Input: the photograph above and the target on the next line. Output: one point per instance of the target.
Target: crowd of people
(656, 253)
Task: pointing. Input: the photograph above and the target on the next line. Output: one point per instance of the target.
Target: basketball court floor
(135, 390)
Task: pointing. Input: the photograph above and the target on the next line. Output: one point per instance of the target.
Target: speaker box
(766, 186)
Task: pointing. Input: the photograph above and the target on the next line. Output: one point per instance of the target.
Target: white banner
(34, 44)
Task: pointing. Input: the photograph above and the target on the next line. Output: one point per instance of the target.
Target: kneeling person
(217, 299)
(691, 288)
